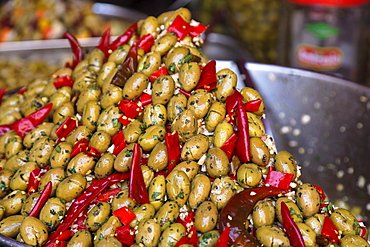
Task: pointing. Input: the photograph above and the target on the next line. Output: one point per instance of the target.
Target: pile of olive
(202, 182)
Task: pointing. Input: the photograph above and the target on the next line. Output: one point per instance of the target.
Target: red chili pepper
(145, 99)
(291, 228)
(173, 149)
(2, 93)
(330, 231)
(119, 142)
(224, 238)
(80, 221)
(208, 78)
(104, 42)
(65, 235)
(25, 125)
(146, 42)
(188, 220)
(229, 145)
(235, 213)
(33, 182)
(232, 101)
(137, 188)
(180, 27)
(128, 67)
(161, 71)
(77, 51)
(321, 192)
(253, 105)
(66, 127)
(279, 179)
(363, 232)
(129, 108)
(92, 152)
(108, 195)
(81, 202)
(242, 143)
(125, 215)
(22, 90)
(197, 30)
(124, 38)
(125, 235)
(187, 94)
(183, 240)
(79, 147)
(5, 128)
(64, 81)
(41, 200)
(191, 238)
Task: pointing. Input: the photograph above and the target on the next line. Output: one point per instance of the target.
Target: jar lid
(332, 3)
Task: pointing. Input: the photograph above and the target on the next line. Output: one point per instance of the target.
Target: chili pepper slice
(173, 149)
(137, 188)
(129, 108)
(108, 195)
(197, 30)
(242, 143)
(22, 90)
(190, 239)
(92, 152)
(321, 192)
(104, 42)
(33, 181)
(77, 51)
(41, 200)
(208, 78)
(125, 235)
(79, 147)
(279, 179)
(145, 99)
(128, 67)
(236, 211)
(66, 127)
(125, 215)
(124, 38)
(252, 105)
(63, 81)
(229, 145)
(119, 142)
(330, 231)
(5, 128)
(187, 94)
(232, 101)
(161, 71)
(146, 42)
(25, 125)
(224, 238)
(180, 27)
(80, 221)
(291, 228)
(2, 93)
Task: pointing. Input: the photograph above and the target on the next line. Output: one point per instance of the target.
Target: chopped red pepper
(173, 149)
(129, 108)
(190, 239)
(161, 71)
(92, 152)
(330, 231)
(187, 221)
(66, 127)
(363, 232)
(79, 147)
(2, 93)
(137, 188)
(321, 192)
(208, 78)
(64, 81)
(25, 125)
(125, 235)
(232, 101)
(33, 182)
(224, 238)
(279, 179)
(229, 145)
(5, 128)
(108, 195)
(77, 51)
(146, 42)
(253, 105)
(125, 215)
(187, 94)
(291, 228)
(180, 27)
(104, 42)
(197, 30)
(119, 142)
(242, 143)
(80, 221)
(145, 99)
(41, 200)
(124, 38)
(22, 90)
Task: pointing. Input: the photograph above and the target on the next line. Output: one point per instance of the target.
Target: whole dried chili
(330, 231)
(137, 188)
(242, 144)
(63, 81)
(41, 200)
(180, 27)
(278, 179)
(128, 67)
(229, 145)
(81, 202)
(291, 228)
(104, 42)
(223, 241)
(24, 125)
(146, 42)
(124, 38)
(77, 51)
(173, 149)
(125, 215)
(208, 78)
(235, 213)
(118, 140)
(161, 71)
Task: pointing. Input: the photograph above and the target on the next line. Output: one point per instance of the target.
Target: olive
(81, 238)
(111, 96)
(61, 155)
(133, 130)
(222, 190)
(217, 162)
(5, 177)
(178, 187)
(194, 148)
(270, 236)
(152, 135)
(308, 235)
(157, 191)
(353, 241)
(259, 151)
(142, 212)
(13, 202)
(255, 125)
(81, 163)
(148, 233)
(107, 229)
(108, 120)
(185, 124)
(250, 94)
(10, 226)
(149, 63)
(158, 158)
(206, 216)
(29, 203)
(123, 160)
(171, 235)
(97, 216)
(263, 213)
(345, 221)
(41, 151)
(191, 168)
(222, 132)
(293, 209)
(149, 26)
(216, 114)
(285, 162)
(104, 166)
(100, 140)
(155, 114)
(40, 131)
(52, 212)
(71, 187)
(167, 214)
(189, 75)
(199, 190)
(316, 222)
(81, 132)
(249, 175)
(209, 239)
(135, 86)
(226, 84)
(121, 200)
(55, 176)
(200, 102)
(162, 89)
(91, 93)
(109, 241)
(19, 181)
(164, 43)
(308, 199)
(175, 106)
(33, 231)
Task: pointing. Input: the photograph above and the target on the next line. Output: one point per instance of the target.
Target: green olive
(217, 162)
(176, 57)
(100, 140)
(40, 131)
(345, 221)
(259, 151)
(122, 199)
(59, 98)
(353, 241)
(13, 202)
(122, 162)
(249, 175)
(104, 166)
(149, 63)
(226, 84)
(85, 79)
(81, 132)
(5, 139)
(206, 217)
(308, 199)
(33, 231)
(222, 132)
(155, 114)
(178, 187)
(185, 124)
(148, 175)
(200, 102)
(81, 163)
(143, 212)
(263, 213)
(293, 208)
(222, 190)
(135, 86)
(71, 187)
(108, 120)
(19, 181)
(164, 43)
(111, 96)
(189, 75)
(162, 89)
(90, 115)
(107, 229)
(14, 146)
(133, 130)
(16, 161)
(175, 106)
(41, 151)
(316, 222)
(215, 115)
(30, 203)
(96, 60)
(10, 226)
(191, 168)
(167, 214)
(109, 241)
(308, 235)
(52, 212)
(172, 234)
(81, 238)
(149, 26)
(152, 135)
(97, 216)
(55, 176)
(117, 56)
(255, 124)
(5, 177)
(285, 162)
(148, 233)
(250, 94)
(61, 155)
(91, 93)
(194, 148)
(199, 190)
(209, 239)
(271, 236)
(157, 191)
(158, 158)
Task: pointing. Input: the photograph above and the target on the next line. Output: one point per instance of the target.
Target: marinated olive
(143, 212)
(206, 217)
(172, 235)
(52, 212)
(199, 190)
(272, 236)
(175, 106)
(10, 226)
(345, 221)
(263, 213)
(81, 238)
(167, 214)
(158, 158)
(200, 102)
(71, 187)
(33, 231)
(217, 162)
(148, 233)
(162, 89)
(260, 153)
(249, 175)
(97, 216)
(194, 148)
(178, 187)
(308, 199)
(222, 190)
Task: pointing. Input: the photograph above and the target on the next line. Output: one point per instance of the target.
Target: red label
(319, 58)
